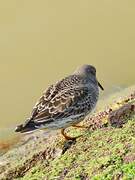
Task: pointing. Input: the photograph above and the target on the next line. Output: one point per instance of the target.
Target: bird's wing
(65, 103)
(54, 90)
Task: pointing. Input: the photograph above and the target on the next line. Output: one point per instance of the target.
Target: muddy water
(42, 41)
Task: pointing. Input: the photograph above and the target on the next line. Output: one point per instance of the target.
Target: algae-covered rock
(106, 149)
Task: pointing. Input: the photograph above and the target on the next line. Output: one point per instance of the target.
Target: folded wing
(66, 103)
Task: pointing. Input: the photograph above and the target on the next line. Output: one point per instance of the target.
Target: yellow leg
(79, 126)
(66, 136)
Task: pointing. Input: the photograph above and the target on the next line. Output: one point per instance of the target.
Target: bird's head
(88, 71)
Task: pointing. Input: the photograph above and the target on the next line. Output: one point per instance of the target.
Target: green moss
(128, 171)
(34, 174)
(99, 155)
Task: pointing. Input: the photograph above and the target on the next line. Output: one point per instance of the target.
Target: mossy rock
(102, 154)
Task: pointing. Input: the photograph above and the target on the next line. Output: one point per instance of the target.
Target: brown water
(42, 41)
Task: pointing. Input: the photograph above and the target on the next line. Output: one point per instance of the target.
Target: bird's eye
(93, 71)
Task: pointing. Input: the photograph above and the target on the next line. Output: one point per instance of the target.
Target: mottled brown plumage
(65, 103)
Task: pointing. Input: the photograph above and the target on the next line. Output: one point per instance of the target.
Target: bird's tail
(24, 128)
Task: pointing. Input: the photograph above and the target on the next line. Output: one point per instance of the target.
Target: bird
(65, 103)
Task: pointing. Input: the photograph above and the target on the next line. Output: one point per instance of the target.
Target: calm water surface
(42, 41)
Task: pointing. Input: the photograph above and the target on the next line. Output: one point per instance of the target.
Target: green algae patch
(36, 172)
(104, 154)
(99, 155)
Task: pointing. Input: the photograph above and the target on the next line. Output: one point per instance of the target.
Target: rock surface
(106, 149)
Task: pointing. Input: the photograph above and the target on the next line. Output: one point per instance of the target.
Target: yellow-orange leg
(79, 126)
(68, 137)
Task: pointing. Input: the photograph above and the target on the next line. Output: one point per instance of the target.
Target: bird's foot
(68, 137)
